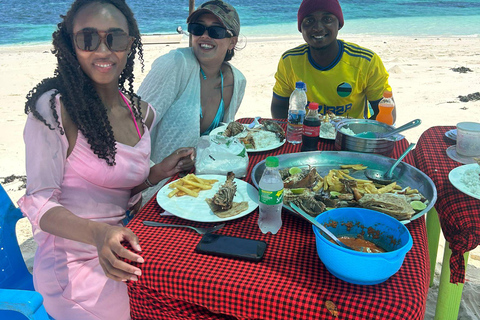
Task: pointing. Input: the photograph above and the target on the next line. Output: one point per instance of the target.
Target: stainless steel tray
(323, 161)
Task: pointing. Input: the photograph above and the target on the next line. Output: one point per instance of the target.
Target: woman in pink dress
(87, 155)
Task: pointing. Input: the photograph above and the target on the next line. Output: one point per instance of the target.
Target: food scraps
(260, 137)
(332, 308)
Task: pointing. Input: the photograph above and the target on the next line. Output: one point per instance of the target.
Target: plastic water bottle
(296, 113)
(271, 197)
(311, 129)
(385, 108)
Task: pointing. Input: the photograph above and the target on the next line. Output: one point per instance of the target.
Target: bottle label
(311, 131)
(270, 197)
(296, 117)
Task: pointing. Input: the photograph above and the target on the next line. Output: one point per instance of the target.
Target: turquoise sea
(33, 21)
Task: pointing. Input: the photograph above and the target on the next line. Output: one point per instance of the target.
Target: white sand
(424, 87)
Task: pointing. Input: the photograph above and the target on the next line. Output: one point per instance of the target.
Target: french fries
(353, 166)
(331, 182)
(190, 185)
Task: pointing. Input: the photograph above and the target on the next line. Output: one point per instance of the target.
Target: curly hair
(78, 94)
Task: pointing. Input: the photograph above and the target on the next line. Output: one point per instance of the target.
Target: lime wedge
(294, 170)
(418, 205)
(297, 190)
(335, 193)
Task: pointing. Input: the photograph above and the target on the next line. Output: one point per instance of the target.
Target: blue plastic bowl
(362, 267)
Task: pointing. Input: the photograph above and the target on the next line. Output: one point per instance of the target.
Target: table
(459, 217)
(289, 283)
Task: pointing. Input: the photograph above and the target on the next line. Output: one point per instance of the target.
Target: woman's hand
(182, 159)
(110, 249)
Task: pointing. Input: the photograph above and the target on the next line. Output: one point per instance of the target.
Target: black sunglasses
(214, 32)
(89, 40)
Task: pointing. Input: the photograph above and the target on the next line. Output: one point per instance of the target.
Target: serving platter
(277, 144)
(197, 209)
(324, 161)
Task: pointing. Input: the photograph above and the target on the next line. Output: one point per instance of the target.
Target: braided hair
(78, 94)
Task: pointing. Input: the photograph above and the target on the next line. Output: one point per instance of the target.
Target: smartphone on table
(231, 247)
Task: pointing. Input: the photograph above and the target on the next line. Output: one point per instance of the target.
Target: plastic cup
(468, 139)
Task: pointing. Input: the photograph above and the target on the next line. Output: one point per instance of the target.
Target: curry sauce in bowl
(365, 268)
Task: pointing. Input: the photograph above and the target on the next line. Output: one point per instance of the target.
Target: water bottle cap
(271, 162)
(301, 85)
(313, 106)
(387, 94)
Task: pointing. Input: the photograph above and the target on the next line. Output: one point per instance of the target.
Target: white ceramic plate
(451, 134)
(220, 130)
(197, 209)
(455, 177)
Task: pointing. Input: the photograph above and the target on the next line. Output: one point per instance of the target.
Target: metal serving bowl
(324, 161)
(346, 142)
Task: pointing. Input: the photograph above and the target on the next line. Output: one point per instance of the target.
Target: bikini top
(220, 112)
(131, 112)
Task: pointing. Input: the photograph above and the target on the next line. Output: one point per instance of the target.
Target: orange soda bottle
(385, 108)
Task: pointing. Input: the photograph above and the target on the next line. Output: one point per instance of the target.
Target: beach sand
(422, 76)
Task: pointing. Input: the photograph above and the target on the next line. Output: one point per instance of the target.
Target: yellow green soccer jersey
(357, 75)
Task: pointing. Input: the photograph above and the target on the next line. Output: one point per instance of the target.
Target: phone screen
(234, 247)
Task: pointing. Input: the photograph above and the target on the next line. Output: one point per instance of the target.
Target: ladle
(382, 135)
(387, 177)
(320, 226)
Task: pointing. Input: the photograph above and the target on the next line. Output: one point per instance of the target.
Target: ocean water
(33, 21)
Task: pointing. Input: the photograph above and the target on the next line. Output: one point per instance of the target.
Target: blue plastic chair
(18, 298)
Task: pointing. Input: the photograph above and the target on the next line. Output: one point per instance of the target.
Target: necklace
(203, 74)
(221, 94)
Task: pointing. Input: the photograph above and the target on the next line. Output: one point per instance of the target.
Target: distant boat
(162, 38)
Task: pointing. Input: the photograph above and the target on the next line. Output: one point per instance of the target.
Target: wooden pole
(191, 8)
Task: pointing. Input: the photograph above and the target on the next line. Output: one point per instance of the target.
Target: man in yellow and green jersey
(341, 77)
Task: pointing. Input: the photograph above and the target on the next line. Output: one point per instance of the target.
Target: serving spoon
(320, 226)
(387, 177)
(383, 135)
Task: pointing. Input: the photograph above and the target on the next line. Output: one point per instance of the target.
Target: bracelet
(149, 184)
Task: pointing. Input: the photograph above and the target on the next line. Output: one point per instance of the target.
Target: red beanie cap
(310, 6)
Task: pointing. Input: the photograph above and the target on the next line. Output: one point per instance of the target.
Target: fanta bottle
(385, 108)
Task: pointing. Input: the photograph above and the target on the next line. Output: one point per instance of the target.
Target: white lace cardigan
(172, 87)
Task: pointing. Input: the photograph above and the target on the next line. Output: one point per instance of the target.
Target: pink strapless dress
(68, 273)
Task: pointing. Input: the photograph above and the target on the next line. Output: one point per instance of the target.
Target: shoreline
(257, 37)
(254, 37)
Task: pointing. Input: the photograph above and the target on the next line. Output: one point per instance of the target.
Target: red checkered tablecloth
(289, 283)
(459, 214)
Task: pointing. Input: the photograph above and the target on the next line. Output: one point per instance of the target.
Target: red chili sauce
(361, 245)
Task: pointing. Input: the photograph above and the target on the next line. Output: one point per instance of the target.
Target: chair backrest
(13, 271)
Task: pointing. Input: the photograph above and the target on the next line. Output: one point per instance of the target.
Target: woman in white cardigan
(194, 89)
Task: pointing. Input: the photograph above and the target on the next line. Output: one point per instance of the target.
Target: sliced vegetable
(297, 190)
(418, 205)
(335, 193)
(294, 170)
